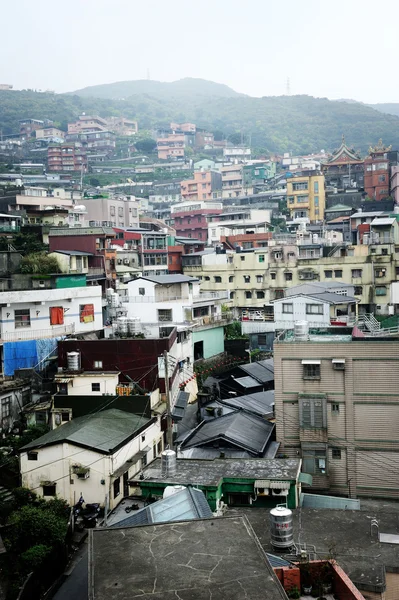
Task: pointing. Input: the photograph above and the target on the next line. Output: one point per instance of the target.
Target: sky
(341, 49)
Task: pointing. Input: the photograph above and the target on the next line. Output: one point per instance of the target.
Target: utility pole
(169, 425)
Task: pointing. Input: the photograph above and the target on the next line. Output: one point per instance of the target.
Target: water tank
(122, 326)
(168, 463)
(170, 490)
(301, 331)
(281, 532)
(396, 209)
(315, 238)
(73, 361)
(134, 326)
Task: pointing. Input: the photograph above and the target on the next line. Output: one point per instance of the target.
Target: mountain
(298, 124)
(159, 89)
(391, 108)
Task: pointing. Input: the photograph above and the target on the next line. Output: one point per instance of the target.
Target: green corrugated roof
(102, 432)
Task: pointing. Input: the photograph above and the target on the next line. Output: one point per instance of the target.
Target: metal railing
(211, 296)
(24, 334)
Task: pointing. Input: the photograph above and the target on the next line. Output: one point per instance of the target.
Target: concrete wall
(213, 340)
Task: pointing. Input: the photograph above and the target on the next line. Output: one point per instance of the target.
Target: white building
(93, 456)
(87, 383)
(49, 313)
(237, 152)
(319, 310)
(238, 222)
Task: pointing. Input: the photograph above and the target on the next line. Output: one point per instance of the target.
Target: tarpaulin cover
(19, 355)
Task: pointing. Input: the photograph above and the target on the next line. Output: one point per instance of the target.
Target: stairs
(372, 328)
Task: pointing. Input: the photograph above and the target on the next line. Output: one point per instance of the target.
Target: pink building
(171, 146)
(87, 123)
(186, 127)
(205, 185)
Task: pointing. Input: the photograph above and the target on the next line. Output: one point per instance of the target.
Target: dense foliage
(273, 124)
(40, 264)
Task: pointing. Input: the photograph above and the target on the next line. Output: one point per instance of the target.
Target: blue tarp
(19, 355)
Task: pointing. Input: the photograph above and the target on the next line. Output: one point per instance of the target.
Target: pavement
(76, 583)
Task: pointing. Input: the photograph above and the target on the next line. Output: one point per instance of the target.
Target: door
(126, 484)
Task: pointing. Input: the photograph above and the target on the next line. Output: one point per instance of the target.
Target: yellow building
(306, 196)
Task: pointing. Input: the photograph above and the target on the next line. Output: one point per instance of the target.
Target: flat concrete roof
(362, 556)
(210, 472)
(215, 558)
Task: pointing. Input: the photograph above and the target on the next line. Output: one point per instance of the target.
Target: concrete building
(237, 222)
(171, 146)
(241, 153)
(28, 127)
(377, 172)
(66, 157)
(232, 182)
(112, 211)
(86, 123)
(306, 196)
(50, 133)
(14, 396)
(93, 456)
(335, 406)
(190, 219)
(205, 185)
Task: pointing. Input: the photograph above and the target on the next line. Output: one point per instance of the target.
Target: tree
(40, 263)
(235, 138)
(31, 525)
(148, 145)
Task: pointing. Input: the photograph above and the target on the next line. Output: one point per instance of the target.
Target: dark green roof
(102, 432)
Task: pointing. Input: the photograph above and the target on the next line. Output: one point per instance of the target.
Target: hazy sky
(340, 49)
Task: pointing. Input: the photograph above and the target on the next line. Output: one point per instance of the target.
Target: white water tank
(134, 326)
(122, 326)
(168, 463)
(281, 531)
(171, 490)
(301, 331)
(73, 361)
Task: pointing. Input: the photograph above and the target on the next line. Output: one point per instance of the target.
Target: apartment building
(204, 139)
(113, 211)
(232, 182)
(190, 219)
(122, 126)
(171, 146)
(28, 127)
(50, 133)
(306, 196)
(377, 172)
(235, 153)
(87, 123)
(205, 185)
(66, 157)
(335, 405)
(238, 222)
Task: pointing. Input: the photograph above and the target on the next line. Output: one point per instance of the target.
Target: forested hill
(301, 124)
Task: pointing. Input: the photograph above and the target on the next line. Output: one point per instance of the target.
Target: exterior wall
(81, 385)
(286, 320)
(12, 400)
(361, 410)
(314, 194)
(117, 212)
(376, 176)
(40, 301)
(55, 463)
(213, 340)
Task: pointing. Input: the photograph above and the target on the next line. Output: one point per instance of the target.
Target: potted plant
(306, 579)
(294, 592)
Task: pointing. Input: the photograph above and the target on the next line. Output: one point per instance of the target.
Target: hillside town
(199, 348)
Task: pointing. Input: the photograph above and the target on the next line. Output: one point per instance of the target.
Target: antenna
(288, 89)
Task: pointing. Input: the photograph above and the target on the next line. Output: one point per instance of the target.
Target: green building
(257, 482)
(258, 173)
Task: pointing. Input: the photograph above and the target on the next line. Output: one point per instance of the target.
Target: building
(183, 127)
(177, 300)
(232, 182)
(244, 222)
(344, 169)
(98, 453)
(112, 211)
(377, 172)
(66, 157)
(258, 172)
(86, 123)
(237, 153)
(102, 141)
(122, 126)
(28, 127)
(190, 219)
(204, 139)
(195, 571)
(50, 133)
(15, 394)
(205, 185)
(335, 406)
(171, 146)
(306, 196)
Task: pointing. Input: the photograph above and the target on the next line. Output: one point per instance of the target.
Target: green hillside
(301, 124)
(391, 108)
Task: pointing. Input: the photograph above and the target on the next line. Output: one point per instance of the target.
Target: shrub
(32, 558)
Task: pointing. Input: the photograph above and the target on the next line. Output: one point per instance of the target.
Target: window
(261, 258)
(316, 187)
(338, 273)
(314, 309)
(56, 315)
(112, 211)
(117, 487)
(260, 295)
(314, 461)
(86, 312)
(301, 185)
(288, 308)
(32, 455)
(247, 278)
(384, 251)
(165, 314)
(98, 364)
(380, 290)
(248, 295)
(231, 295)
(159, 447)
(218, 279)
(316, 201)
(288, 276)
(335, 407)
(358, 290)
(49, 490)
(207, 278)
(336, 453)
(312, 411)
(259, 279)
(144, 460)
(6, 407)
(328, 274)
(273, 276)
(22, 318)
(95, 387)
(291, 199)
(380, 273)
(311, 371)
(231, 278)
(356, 272)
(65, 417)
(242, 257)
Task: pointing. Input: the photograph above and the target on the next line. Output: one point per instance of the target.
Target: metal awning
(64, 380)
(311, 362)
(180, 405)
(305, 478)
(338, 361)
(273, 485)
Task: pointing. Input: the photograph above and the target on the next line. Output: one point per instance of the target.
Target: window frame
(319, 311)
(312, 412)
(20, 323)
(94, 386)
(311, 371)
(287, 308)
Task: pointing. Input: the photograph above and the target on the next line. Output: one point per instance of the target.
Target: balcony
(212, 321)
(206, 296)
(24, 334)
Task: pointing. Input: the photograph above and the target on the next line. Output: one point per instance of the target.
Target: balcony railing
(24, 334)
(203, 297)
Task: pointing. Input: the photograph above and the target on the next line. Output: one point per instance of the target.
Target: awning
(280, 485)
(305, 478)
(311, 362)
(180, 405)
(262, 483)
(338, 361)
(63, 380)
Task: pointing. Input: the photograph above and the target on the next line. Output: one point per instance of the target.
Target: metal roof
(180, 405)
(82, 231)
(383, 221)
(261, 370)
(74, 252)
(186, 504)
(359, 215)
(259, 403)
(168, 279)
(333, 298)
(246, 382)
(102, 432)
(239, 429)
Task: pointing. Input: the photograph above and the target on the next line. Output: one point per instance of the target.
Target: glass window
(242, 257)
(358, 290)
(312, 411)
(260, 295)
(288, 276)
(272, 275)
(316, 201)
(338, 273)
(336, 453)
(218, 279)
(316, 187)
(95, 387)
(32, 456)
(165, 314)
(311, 371)
(6, 407)
(49, 490)
(356, 272)
(247, 279)
(22, 318)
(141, 291)
(328, 274)
(335, 407)
(98, 364)
(259, 279)
(248, 295)
(117, 487)
(231, 278)
(288, 308)
(261, 258)
(314, 309)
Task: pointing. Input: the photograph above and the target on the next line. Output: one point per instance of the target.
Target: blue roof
(187, 504)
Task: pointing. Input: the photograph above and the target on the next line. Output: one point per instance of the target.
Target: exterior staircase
(369, 325)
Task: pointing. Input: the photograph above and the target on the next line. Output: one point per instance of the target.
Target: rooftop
(168, 279)
(259, 403)
(261, 370)
(72, 231)
(74, 252)
(102, 432)
(201, 559)
(210, 472)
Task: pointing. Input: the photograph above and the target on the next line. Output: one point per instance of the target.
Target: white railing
(211, 296)
(24, 334)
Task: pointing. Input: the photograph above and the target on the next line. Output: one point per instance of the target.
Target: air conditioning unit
(126, 261)
(279, 492)
(338, 364)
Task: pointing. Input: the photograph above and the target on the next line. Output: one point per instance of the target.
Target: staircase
(372, 328)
